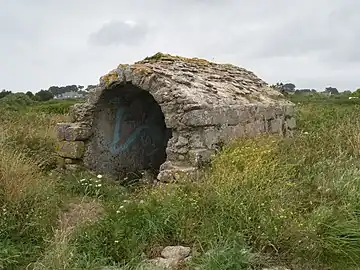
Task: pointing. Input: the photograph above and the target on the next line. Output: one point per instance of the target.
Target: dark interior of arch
(130, 135)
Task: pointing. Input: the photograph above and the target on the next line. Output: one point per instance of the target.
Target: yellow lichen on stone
(168, 57)
(122, 66)
(111, 77)
(142, 69)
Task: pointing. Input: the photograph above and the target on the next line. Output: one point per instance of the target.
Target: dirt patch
(60, 253)
(79, 214)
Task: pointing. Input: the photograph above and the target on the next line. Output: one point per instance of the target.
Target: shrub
(53, 107)
(15, 101)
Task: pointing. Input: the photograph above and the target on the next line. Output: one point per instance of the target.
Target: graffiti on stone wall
(137, 123)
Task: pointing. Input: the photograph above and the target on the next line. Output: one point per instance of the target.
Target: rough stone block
(82, 112)
(211, 137)
(182, 150)
(260, 126)
(74, 149)
(196, 141)
(250, 129)
(200, 157)
(232, 132)
(276, 125)
(230, 115)
(181, 141)
(269, 112)
(175, 174)
(171, 172)
(179, 252)
(289, 110)
(77, 132)
(291, 123)
(60, 130)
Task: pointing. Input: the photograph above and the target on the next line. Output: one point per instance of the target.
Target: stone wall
(205, 131)
(170, 115)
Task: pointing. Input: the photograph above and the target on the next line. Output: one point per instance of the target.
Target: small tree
(4, 93)
(356, 93)
(30, 94)
(289, 87)
(43, 95)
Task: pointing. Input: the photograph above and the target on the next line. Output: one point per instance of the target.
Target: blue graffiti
(151, 134)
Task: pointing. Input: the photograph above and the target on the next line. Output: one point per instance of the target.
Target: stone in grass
(171, 258)
(161, 264)
(179, 252)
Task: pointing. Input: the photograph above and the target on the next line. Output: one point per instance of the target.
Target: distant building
(69, 95)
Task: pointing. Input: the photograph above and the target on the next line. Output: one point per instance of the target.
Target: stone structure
(169, 114)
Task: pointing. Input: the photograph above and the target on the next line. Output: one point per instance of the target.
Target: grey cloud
(310, 43)
(345, 26)
(119, 32)
(328, 33)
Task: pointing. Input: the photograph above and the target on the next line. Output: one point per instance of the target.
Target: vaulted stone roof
(195, 82)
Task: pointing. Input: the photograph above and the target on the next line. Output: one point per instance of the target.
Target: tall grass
(29, 202)
(263, 201)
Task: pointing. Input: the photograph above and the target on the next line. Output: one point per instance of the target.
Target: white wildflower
(82, 180)
(99, 176)
(121, 207)
(116, 241)
(98, 185)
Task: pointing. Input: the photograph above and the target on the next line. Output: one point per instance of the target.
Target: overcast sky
(312, 43)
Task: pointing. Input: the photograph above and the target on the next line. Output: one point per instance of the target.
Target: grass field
(265, 201)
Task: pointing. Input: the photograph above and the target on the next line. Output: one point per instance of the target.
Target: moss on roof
(168, 57)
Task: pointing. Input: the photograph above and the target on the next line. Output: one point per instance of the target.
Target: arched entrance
(129, 132)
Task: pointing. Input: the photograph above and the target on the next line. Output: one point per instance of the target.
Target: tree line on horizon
(290, 88)
(53, 91)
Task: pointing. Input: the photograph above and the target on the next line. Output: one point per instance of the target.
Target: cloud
(330, 33)
(126, 32)
(313, 44)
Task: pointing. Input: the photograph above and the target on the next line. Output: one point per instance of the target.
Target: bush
(15, 101)
(53, 107)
